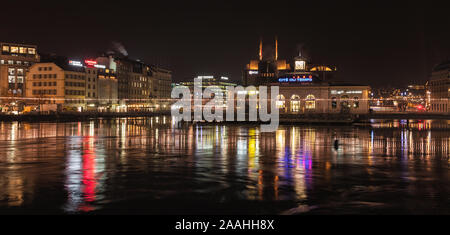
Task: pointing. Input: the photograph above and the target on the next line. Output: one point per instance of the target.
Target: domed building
(305, 87)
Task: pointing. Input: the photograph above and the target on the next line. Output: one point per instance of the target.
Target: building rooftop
(18, 44)
(61, 62)
(345, 84)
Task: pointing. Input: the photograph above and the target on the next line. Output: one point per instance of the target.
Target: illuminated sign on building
(75, 63)
(224, 78)
(296, 79)
(90, 63)
(100, 66)
(336, 92)
(252, 72)
(205, 77)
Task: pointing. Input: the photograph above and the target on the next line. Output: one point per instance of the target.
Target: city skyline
(224, 115)
(378, 45)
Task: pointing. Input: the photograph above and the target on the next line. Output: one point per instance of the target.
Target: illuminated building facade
(162, 86)
(134, 84)
(15, 59)
(162, 82)
(73, 85)
(439, 89)
(61, 84)
(108, 93)
(220, 82)
(264, 70)
(140, 86)
(305, 94)
(306, 87)
(306, 91)
(416, 95)
(91, 84)
(91, 88)
(101, 86)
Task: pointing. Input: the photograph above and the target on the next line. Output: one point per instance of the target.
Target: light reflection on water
(154, 165)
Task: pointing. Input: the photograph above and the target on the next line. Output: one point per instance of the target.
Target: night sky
(379, 44)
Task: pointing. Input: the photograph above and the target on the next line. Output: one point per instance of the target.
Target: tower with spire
(300, 62)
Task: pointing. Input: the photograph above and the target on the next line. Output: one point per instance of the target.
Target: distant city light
(205, 77)
(100, 66)
(338, 92)
(90, 63)
(75, 63)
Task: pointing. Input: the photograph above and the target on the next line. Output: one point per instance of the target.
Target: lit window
(344, 102)
(333, 102)
(22, 50)
(295, 103)
(31, 51)
(300, 65)
(310, 102)
(11, 79)
(280, 102)
(11, 71)
(19, 79)
(14, 49)
(356, 102)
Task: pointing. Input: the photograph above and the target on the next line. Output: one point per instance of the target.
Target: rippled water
(151, 165)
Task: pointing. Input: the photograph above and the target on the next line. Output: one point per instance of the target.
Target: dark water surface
(153, 166)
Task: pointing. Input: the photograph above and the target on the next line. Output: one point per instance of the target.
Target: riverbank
(284, 118)
(75, 116)
(407, 115)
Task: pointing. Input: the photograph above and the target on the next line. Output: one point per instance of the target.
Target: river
(154, 166)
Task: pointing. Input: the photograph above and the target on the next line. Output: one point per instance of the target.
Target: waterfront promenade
(284, 118)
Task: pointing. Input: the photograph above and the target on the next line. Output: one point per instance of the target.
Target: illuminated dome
(322, 68)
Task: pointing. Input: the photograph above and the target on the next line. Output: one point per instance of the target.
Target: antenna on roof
(276, 48)
(260, 48)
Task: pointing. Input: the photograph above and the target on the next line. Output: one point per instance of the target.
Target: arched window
(333, 103)
(281, 102)
(345, 106)
(295, 103)
(355, 102)
(310, 102)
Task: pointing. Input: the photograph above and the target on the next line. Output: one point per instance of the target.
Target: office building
(439, 89)
(15, 59)
(57, 83)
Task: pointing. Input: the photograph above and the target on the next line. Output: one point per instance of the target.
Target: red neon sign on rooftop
(90, 63)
